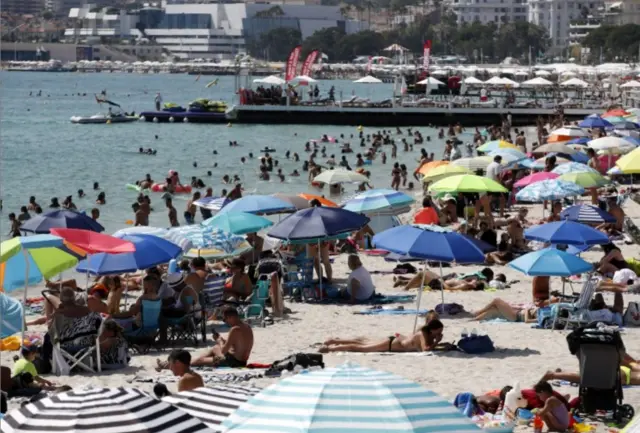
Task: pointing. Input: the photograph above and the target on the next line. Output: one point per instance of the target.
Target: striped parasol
(211, 242)
(572, 167)
(586, 213)
(214, 204)
(378, 200)
(212, 405)
(104, 410)
(176, 238)
(348, 399)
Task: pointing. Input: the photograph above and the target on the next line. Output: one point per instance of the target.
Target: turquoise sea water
(43, 154)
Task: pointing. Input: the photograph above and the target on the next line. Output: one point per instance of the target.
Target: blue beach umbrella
(212, 243)
(348, 398)
(626, 125)
(573, 167)
(238, 223)
(633, 140)
(550, 262)
(572, 249)
(594, 121)
(214, 204)
(259, 205)
(11, 316)
(512, 153)
(150, 251)
(579, 140)
(317, 223)
(165, 234)
(566, 232)
(586, 213)
(67, 219)
(377, 200)
(552, 189)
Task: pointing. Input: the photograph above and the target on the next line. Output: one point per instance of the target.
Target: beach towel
(383, 312)
(377, 299)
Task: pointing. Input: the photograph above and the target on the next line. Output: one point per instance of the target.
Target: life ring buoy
(180, 189)
(155, 120)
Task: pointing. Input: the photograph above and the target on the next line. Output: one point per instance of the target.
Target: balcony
(588, 25)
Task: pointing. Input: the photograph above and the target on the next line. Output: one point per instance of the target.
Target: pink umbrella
(535, 177)
(607, 162)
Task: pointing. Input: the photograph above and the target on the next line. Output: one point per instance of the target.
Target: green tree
(326, 40)
(47, 15)
(275, 44)
(615, 42)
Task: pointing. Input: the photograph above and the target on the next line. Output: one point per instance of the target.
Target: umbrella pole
(441, 286)
(86, 290)
(420, 289)
(24, 295)
(320, 267)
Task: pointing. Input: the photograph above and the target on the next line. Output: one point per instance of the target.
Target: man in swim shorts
(234, 351)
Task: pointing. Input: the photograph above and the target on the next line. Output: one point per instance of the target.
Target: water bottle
(474, 332)
(465, 333)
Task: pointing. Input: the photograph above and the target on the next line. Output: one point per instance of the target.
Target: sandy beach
(523, 354)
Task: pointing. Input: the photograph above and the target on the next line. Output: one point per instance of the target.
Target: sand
(523, 354)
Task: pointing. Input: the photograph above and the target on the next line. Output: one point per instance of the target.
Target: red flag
(426, 52)
(308, 63)
(292, 63)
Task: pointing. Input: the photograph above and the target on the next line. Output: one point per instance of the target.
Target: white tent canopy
(368, 80)
(472, 81)
(542, 73)
(630, 84)
(395, 47)
(271, 80)
(494, 81)
(430, 81)
(574, 82)
(521, 74)
(537, 82)
(304, 80)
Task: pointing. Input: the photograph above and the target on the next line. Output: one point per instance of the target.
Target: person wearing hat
(25, 372)
(185, 298)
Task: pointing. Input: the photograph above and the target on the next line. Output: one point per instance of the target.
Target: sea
(43, 154)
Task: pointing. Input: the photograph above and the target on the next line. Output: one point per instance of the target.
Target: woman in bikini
(499, 309)
(238, 286)
(432, 280)
(612, 261)
(426, 339)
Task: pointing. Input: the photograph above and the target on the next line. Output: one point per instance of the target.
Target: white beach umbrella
(521, 74)
(270, 80)
(476, 163)
(304, 80)
(495, 81)
(611, 145)
(630, 85)
(574, 82)
(430, 81)
(340, 176)
(471, 81)
(542, 73)
(440, 72)
(568, 74)
(555, 147)
(570, 131)
(368, 80)
(537, 82)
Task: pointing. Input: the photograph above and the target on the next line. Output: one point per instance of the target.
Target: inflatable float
(267, 149)
(134, 187)
(180, 189)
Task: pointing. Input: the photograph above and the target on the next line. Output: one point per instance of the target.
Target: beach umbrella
(610, 143)
(594, 121)
(150, 251)
(570, 131)
(93, 242)
(554, 147)
(430, 81)
(348, 398)
(323, 201)
(473, 164)
(616, 119)
(212, 404)
(368, 80)
(214, 204)
(175, 238)
(508, 153)
(566, 232)
(212, 243)
(333, 177)
(377, 200)
(64, 218)
(495, 145)
(552, 189)
(443, 171)
(550, 262)
(587, 214)
(579, 140)
(617, 112)
(574, 82)
(467, 183)
(630, 163)
(238, 223)
(540, 162)
(272, 80)
(573, 167)
(535, 177)
(259, 205)
(425, 168)
(11, 316)
(633, 140)
(106, 410)
(317, 223)
(295, 200)
(586, 179)
(626, 125)
(523, 163)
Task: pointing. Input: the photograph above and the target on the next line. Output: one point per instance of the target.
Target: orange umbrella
(323, 201)
(93, 242)
(424, 168)
(558, 138)
(617, 112)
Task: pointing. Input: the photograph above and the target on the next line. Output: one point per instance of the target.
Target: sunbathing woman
(499, 309)
(427, 339)
(629, 373)
(433, 281)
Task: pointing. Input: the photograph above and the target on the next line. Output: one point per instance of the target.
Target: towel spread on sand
(384, 353)
(391, 312)
(375, 300)
(207, 376)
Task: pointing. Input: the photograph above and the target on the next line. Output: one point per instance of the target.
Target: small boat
(104, 119)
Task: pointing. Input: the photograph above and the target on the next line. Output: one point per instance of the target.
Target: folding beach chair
(76, 343)
(146, 336)
(299, 279)
(577, 313)
(187, 326)
(254, 309)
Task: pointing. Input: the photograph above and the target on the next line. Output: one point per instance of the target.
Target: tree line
(618, 43)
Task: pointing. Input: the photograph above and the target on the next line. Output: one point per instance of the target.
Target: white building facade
(486, 11)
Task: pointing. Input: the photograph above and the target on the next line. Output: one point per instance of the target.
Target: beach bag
(632, 315)
(304, 360)
(476, 344)
(449, 309)
(545, 318)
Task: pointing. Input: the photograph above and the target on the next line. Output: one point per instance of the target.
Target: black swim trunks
(231, 362)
